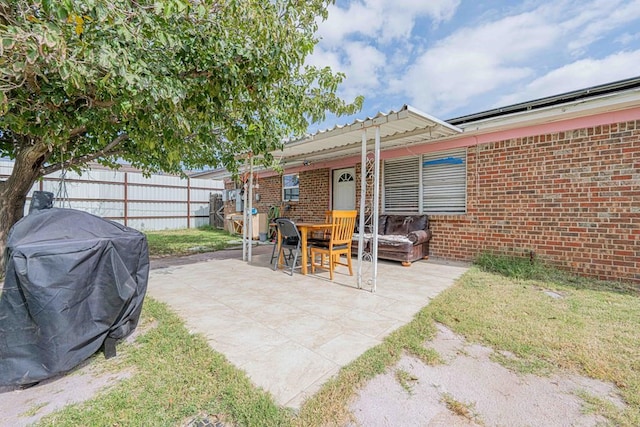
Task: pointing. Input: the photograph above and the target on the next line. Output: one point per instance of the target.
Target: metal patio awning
(405, 127)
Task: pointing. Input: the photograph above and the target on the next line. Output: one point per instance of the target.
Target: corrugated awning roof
(407, 126)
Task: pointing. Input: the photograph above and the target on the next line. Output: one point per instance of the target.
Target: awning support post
(247, 218)
(375, 209)
(249, 222)
(363, 204)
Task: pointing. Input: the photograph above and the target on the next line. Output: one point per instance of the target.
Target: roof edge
(549, 101)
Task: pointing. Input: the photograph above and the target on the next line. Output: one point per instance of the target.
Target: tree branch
(77, 131)
(108, 150)
(196, 74)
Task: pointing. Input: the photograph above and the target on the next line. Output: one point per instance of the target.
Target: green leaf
(18, 66)
(32, 55)
(8, 43)
(64, 73)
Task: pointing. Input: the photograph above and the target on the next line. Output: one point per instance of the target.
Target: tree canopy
(163, 85)
(160, 84)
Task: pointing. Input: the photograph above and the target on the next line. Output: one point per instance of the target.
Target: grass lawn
(551, 321)
(188, 241)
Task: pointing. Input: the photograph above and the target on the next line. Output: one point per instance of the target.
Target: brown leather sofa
(403, 238)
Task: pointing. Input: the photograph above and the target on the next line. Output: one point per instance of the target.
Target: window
(402, 185)
(346, 177)
(435, 183)
(290, 187)
(444, 182)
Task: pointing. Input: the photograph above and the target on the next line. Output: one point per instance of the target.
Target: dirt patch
(25, 406)
(469, 389)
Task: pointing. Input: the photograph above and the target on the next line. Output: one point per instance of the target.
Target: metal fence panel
(128, 197)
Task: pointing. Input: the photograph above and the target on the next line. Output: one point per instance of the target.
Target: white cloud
(474, 61)
(530, 49)
(594, 20)
(349, 37)
(357, 19)
(324, 58)
(382, 20)
(627, 38)
(458, 70)
(577, 75)
(363, 68)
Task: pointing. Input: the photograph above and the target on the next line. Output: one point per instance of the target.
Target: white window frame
(287, 187)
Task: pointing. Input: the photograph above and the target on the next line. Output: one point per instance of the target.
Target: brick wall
(314, 196)
(315, 190)
(573, 198)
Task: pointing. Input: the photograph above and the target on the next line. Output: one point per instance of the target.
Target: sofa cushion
(404, 224)
(419, 236)
(392, 240)
(396, 225)
(382, 224)
(394, 243)
(418, 222)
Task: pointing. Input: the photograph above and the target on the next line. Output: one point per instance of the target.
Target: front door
(344, 189)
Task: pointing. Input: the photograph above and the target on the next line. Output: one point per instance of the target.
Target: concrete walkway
(290, 334)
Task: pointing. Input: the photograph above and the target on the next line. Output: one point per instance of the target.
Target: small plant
(406, 380)
(33, 410)
(465, 410)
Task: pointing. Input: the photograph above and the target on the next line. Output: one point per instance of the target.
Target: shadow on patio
(291, 334)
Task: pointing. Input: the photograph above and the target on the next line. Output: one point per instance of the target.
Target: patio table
(305, 228)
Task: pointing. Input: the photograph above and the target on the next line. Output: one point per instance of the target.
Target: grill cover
(73, 280)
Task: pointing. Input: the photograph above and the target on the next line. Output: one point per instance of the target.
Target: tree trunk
(13, 191)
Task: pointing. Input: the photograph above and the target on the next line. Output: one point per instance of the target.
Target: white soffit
(407, 126)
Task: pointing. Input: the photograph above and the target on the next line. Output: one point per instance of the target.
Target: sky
(450, 58)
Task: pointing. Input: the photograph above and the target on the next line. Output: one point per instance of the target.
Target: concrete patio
(290, 334)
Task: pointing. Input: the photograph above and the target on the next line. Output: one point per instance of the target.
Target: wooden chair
(342, 226)
(321, 238)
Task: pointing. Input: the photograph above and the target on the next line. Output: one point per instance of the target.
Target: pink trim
(564, 125)
(463, 140)
(521, 132)
(349, 162)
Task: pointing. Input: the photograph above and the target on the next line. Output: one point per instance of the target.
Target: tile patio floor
(291, 334)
